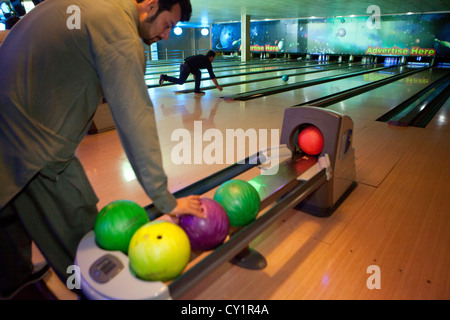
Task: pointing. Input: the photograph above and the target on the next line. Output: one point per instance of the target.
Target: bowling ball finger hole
(159, 237)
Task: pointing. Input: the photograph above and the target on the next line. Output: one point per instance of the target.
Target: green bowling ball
(117, 222)
(240, 200)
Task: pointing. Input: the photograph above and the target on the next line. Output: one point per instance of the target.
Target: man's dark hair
(211, 54)
(166, 5)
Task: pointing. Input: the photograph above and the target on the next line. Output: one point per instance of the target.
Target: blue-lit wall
(408, 35)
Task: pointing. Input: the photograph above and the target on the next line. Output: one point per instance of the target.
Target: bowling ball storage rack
(321, 182)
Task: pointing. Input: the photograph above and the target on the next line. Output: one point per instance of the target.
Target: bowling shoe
(161, 79)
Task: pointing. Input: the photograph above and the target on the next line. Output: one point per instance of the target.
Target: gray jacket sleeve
(120, 68)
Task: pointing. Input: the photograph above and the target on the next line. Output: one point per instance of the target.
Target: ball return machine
(312, 184)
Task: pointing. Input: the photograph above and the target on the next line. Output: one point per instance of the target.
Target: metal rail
(242, 238)
(212, 181)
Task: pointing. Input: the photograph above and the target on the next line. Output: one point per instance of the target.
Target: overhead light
(178, 31)
(205, 31)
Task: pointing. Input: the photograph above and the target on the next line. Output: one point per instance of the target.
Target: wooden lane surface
(250, 86)
(401, 226)
(385, 221)
(383, 99)
(152, 73)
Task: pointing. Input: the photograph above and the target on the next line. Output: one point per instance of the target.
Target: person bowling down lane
(194, 64)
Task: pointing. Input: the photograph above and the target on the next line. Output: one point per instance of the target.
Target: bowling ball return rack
(313, 184)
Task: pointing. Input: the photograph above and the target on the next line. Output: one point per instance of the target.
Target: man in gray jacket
(55, 70)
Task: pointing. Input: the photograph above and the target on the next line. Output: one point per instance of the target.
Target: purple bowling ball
(209, 232)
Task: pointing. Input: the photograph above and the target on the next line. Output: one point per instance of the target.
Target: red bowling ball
(310, 140)
(209, 232)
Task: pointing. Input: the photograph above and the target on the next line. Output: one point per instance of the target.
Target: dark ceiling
(206, 12)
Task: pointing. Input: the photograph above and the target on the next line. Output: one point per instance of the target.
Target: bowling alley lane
(441, 120)
(224, 68)
(175, 111)
(313, 72)
(386, 183)
(379, 149)
(181, 111)
(302, 95)
(384, 226)
(375, 103)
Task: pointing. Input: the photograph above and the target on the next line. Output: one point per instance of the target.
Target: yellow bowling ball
(159, 251)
